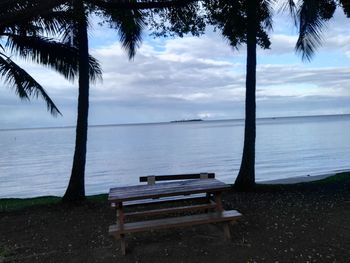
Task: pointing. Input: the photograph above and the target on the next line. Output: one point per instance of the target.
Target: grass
(98, 198)
(15, 204)
(12, 204)
(339, 178)
(335, 179)
(4, 252)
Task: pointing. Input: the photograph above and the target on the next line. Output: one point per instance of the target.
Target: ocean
(37, 162)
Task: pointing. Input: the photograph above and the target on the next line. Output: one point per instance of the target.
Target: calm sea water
(38, 161)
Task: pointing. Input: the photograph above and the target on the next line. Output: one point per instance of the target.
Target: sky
(194, 77)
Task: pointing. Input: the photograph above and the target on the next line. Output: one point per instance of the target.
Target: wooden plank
(156, 193)
(161, 189)
(213, 217)
(194, 197)
(188, 183)
(166, 189)
(171, 210)
(175, 177)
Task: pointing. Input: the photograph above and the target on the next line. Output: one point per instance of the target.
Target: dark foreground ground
(297, 223)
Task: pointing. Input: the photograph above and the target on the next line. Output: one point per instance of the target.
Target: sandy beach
(299, 179)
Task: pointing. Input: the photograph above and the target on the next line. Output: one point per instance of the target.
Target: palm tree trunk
(246, 176)
(76, 188)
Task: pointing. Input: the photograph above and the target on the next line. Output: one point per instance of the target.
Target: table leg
(120, 223)
(220, 208)
(218, 202)
(207, 199)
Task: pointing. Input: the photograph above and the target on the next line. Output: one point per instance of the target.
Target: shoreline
(281, 181)
(298, 179)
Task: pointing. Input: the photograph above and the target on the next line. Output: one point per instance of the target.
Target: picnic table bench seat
(140, 226)
(178, 198)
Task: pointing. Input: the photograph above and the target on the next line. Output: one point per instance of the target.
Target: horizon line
(170, 122)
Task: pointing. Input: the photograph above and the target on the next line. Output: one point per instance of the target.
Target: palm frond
(266, 13)
(17, 11)
(310, 29)
(129, 24)
(292, 8)
(130, 31)
(25, 86)
(313, 15)
(54, 23)
(61, 57)
(95, 70)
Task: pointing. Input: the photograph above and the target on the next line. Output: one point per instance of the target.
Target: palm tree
(245, 22)
(259, 15)
(246, 175)
(129, 23)
(76, 187)
(311, 15)
(128, 19)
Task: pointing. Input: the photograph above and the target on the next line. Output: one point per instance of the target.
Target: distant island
(186, 120)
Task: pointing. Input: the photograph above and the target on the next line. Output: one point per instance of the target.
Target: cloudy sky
(190, 77)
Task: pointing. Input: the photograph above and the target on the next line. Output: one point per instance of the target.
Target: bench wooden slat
(176, 177)
(213, 217)
(194, 197)
(193, 183)
(172, 210)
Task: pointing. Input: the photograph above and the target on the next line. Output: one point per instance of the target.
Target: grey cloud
(333, 78)
(335, 35)
(157, 75)
(184, 78)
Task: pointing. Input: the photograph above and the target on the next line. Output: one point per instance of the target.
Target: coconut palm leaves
(58, 56)
(39, 49)
(24, 39)
(129, 24)
(311, 16)
(24, 85)
(13, 11)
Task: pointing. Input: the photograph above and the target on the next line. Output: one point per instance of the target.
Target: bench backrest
(152, 179)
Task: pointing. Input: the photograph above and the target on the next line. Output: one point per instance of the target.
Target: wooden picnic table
(212, 188)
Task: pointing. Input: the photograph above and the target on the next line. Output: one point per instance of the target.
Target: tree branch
(127, 4)
(41, 7)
